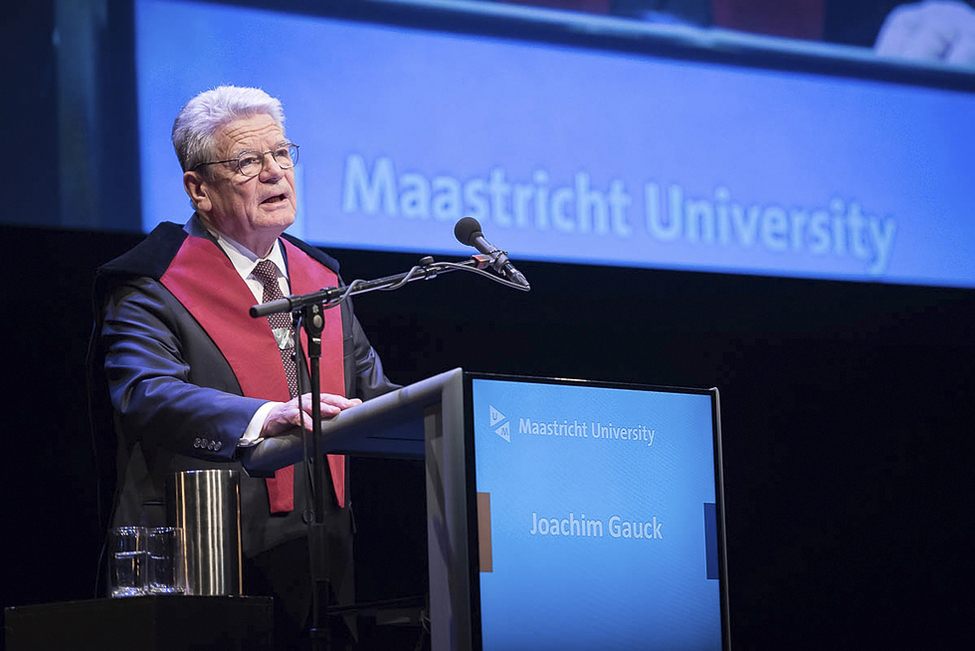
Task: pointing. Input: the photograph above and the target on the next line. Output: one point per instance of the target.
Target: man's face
(252, 210)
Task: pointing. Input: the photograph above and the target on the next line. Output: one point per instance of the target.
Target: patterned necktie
(280, 489)
(281, 324)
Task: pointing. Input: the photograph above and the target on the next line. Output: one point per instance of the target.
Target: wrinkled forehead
(258, 132)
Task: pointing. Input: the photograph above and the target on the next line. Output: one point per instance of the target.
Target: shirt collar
(243, 258)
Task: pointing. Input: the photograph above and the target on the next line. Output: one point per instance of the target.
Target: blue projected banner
(601, 514)
(578, 155)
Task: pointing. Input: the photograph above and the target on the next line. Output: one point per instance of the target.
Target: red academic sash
(204, 280)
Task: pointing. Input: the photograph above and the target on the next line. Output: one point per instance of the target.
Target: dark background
(848, 438)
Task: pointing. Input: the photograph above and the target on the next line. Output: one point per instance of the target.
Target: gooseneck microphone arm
(467, 230)
(427, 269)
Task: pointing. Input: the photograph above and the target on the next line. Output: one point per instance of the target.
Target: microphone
(468, 232)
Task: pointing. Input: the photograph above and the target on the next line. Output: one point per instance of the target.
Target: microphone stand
(311, 308)
(313, 323)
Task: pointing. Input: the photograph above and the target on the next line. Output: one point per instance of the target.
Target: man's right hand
(285, 416)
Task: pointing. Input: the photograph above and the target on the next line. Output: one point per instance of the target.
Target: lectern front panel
(598, 514)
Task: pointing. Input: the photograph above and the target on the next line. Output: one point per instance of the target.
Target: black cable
(425, 271)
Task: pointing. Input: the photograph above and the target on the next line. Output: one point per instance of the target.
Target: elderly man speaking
(192, 378)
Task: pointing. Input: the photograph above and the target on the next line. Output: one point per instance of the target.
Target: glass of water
(127, 562)
(164, 573)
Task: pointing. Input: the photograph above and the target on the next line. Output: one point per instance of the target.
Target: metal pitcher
(207, 505)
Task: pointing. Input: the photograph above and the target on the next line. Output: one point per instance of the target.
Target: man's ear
(198, 188)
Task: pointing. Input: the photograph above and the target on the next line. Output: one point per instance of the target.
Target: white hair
(203, 116)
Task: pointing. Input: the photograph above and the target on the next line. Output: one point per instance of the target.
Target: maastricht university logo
(500, 423)
(574, 429)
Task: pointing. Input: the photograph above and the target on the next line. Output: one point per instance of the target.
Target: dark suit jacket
(176, 403)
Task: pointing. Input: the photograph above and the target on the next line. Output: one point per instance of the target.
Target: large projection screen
(594, 144)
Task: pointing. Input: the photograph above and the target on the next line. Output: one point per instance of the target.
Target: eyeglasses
(251, 163)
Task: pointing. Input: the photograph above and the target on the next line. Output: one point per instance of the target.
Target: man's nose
(271, 170)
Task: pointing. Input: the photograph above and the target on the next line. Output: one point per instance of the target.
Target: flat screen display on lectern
(598, 515)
